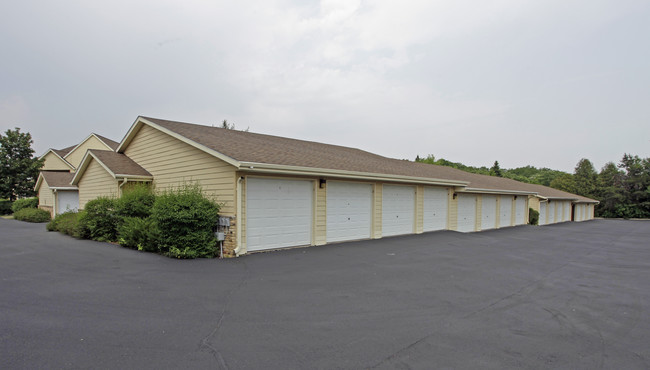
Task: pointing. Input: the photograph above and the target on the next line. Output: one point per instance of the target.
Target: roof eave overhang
(265, 168)
(64, 188)
(86, 139)
(496, 191)
(143, 121)
(134, 177)
(58, 156)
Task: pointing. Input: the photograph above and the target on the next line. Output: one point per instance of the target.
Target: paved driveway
(574, 295)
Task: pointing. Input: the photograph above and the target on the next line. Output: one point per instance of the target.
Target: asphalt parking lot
(572, 295)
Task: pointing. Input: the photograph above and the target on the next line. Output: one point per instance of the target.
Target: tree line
(623, 189)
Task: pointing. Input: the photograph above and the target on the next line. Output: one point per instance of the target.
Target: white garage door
(466, 212)
(567, 211)
(505, 211)
(278, 213)
(67, 201)
(542, 213)
(435, 208)
(551, 212)
(349, 211)
(578, 209)
(398, 210)
(520, 210)
(488, 212)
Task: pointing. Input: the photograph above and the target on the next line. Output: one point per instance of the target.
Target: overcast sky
(543, 83)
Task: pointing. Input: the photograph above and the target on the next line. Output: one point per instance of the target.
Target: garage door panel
(505, 211)
(542, 213)
(436, 204)
(278, 213)
(398, 209)
(488, 212)
(67, 201)
(520, 210)
(466, 212)
(349, 211)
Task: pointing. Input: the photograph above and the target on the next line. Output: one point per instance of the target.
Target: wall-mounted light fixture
(322, 183)
(515, 197)
(455, 196)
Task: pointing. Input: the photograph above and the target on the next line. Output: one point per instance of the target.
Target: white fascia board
(86, 139)
(56, 154)
(497, 191)
(132, 177)
(39, 181)
(84, 164)
(320, 172)
(140, 121)
(64, 188)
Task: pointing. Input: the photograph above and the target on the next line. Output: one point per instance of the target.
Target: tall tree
(609, 190)
(495, 170)
(18, 166)
(585, 176)
(564, 182)
(636, 185)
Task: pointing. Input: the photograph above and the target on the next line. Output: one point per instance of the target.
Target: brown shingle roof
(119, 163)
(63, 152)
(58, 179)
(259, 148)
(109, 142)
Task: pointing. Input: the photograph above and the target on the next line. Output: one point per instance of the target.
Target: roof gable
(57, 155)
(101, 139)
(117, 165)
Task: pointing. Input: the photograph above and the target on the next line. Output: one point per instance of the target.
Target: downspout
(124, 181)
(239, 249)
(54, 203)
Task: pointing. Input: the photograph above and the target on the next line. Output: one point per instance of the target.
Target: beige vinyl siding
(320, 214)
(419, 209)
(46, 198)
(377, 211)
(75, 157)
(533, 202)
(242, 215)
(453, 211)
(174, 163)
(96, 182)
(54, 163)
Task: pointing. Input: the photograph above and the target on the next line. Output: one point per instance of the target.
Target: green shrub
(533, 217)
(24, 203)
(186, 220)
(136, 201)
(138, 233)
(5, 207)
(99, 221)
(32, 215)
(66, 223)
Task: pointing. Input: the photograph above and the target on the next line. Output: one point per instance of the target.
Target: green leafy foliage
(24, 203)
(136, 201)
(18, 165)
(533, 217)
(5, 207)
(100, 219)
(32, 215)
(66, 223)
(186, 220)
(139, 233)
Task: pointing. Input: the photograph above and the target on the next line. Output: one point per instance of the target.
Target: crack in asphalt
(205, 342)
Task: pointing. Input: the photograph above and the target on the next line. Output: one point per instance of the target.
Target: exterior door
(466, 212)
(278, 213)
(398, 210)
(349, 211)
(488, 212)
(436, 203)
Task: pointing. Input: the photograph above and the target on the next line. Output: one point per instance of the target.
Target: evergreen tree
(495, 170)
(18, 167)
(609, 190)
(585, 176)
